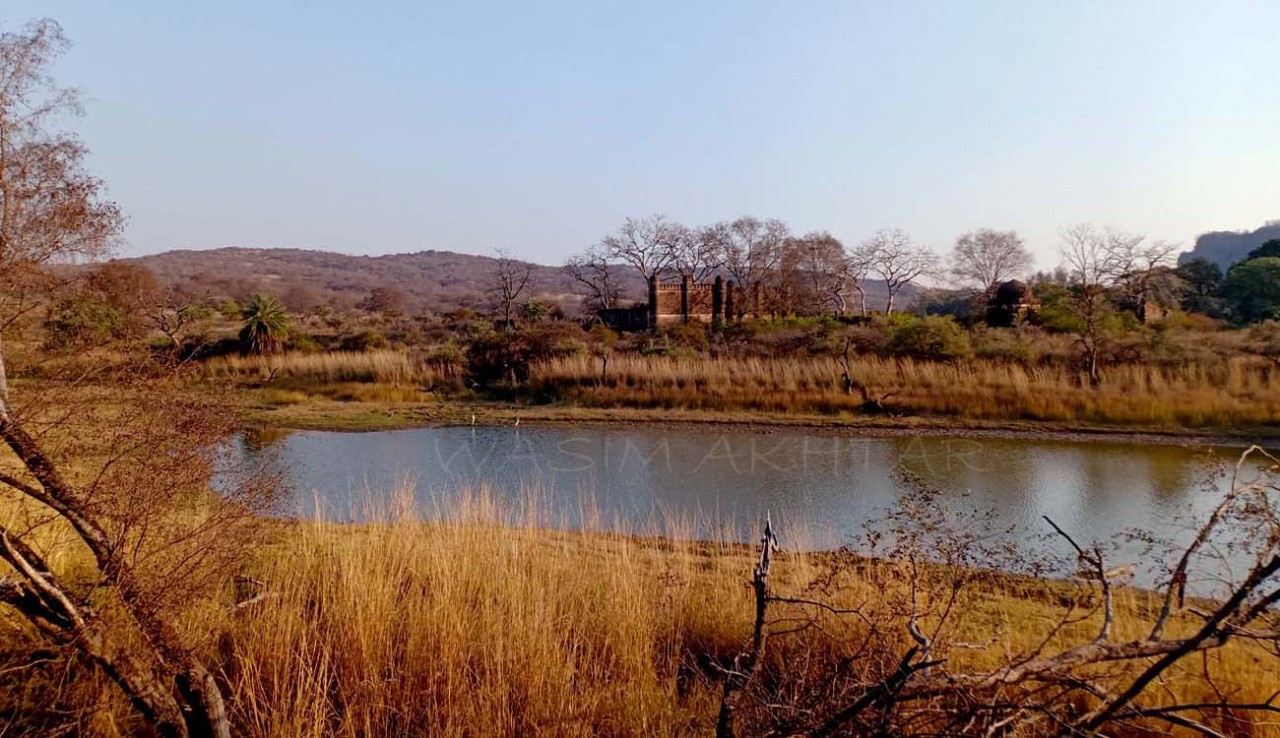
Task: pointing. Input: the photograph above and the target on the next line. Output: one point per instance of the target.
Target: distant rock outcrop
(1225, 248)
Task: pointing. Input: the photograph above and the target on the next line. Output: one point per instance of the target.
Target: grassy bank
(495, 621)
(388, 389)
(1237, 392)
(491, 625)
(320, 414)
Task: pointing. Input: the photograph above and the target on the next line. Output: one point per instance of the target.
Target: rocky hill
(435, 281)
(1225, 248)
(303, 279)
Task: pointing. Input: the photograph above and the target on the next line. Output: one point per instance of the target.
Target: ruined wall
(675, 300)
(679, 301)
(707, 302)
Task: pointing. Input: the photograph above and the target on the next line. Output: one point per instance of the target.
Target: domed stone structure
(1012, 302)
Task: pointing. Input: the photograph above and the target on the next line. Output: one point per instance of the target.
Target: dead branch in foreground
(149, 558)
(900, 674)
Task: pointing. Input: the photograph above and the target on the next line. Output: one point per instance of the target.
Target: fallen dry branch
(1093, 687)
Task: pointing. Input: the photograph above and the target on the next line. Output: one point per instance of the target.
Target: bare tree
(1095, 259)
(857, 267)
(985, 258)
(1142, 270)
(819, 272)
(752, 250)
(1086, 254)
(385, 300)
(52, 210)
(897, 261)
(747, 662)
(130, 482)
(642, 243)
(597, 275)
(695, 252)
(511, 281)
(174, 316)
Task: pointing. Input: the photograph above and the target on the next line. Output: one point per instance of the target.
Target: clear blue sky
(539, 126)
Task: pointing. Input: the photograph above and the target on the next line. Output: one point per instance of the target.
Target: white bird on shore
(473, 418)
(517, 421)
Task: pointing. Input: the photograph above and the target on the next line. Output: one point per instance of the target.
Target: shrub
(449, 359)
(303, 344)
(1252, 289)
(601, 338)
(934, 338)
(678, 339)
(367, 340)
(81, 321)
(505, 358)
(868, 338)
(1004, 344)
(687, 335)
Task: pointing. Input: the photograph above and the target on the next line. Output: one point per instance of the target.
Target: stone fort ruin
(680, 301)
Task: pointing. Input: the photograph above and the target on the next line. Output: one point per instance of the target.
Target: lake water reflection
(821, 488)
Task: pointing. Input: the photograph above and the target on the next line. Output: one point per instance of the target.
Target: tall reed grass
(483, 618)
(383, 366)
(486, 618)
(1235, 391)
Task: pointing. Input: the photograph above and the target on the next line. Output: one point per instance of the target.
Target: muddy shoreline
(352, 417)
(1119, 436)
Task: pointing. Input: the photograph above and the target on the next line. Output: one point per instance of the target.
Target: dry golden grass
(490, 623)
(492, 620)
(1235, 392)
(383, 367)
(482, 625)
(375, 377)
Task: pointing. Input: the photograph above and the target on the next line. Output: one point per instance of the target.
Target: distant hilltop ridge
(1225, 248)
(436, 281)
(307, 278)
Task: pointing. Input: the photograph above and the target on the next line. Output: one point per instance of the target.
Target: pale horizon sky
(539, 127)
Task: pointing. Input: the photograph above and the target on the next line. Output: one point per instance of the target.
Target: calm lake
(819, 489)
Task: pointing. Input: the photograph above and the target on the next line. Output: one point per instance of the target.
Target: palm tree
(266, 323)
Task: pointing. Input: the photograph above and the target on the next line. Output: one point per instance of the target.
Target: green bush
(1252, 289)
(934, 338)
(501, 358)
(81, 321)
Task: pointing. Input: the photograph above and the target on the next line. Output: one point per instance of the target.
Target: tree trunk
(208, 712)
(4, 382)
(140, 682)
(147, 670)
